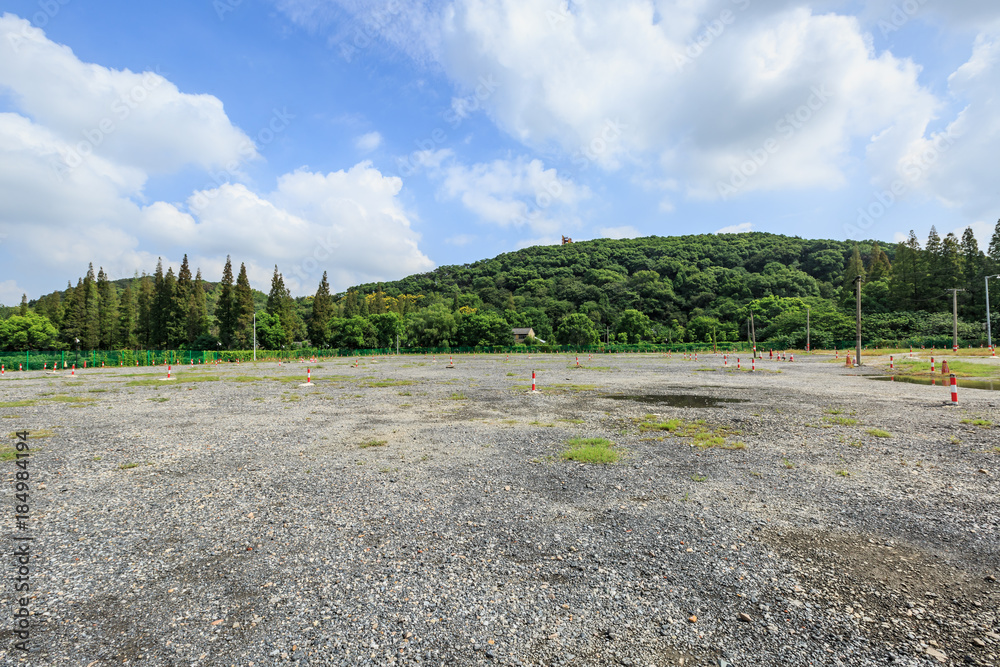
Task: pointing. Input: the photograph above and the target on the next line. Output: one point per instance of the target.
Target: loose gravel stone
(401, 513)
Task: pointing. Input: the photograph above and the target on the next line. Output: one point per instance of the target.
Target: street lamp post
(255, 335)
(807, 328)
(989, 334)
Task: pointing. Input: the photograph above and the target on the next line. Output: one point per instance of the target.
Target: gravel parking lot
(406, 512)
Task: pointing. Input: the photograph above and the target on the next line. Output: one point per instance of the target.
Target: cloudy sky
(378, 138)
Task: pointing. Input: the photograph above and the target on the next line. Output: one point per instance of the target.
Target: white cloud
(741, 228)
(366, 143)
(518, 193)
(62, 214)
(623, 232)
(140, 120)
(627, 83)
(460, 239)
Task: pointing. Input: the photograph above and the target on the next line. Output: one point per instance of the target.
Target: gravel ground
(233, 517)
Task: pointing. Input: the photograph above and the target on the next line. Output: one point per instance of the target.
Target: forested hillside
(664, 289)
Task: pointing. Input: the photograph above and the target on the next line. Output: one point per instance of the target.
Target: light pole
(255, 335)
(807, 328)
(989, 334)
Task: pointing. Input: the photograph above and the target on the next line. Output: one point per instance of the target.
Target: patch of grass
(458, 396)
(841, 421)
(843, 473)
(590, 450)
(538, 423)
(698, 478)
(96, 391)
(96, 458)
(406, 405)
(788, 464)
(510, 375)
(857, 444)
(32, 435)
(983, 423)
(833, 411)
(259, 399)
(571, 421)
(128, 466)
(878, 433)
(17, 404)
(181, 379)
(373, 443)
(703, 435)
(245, 378)
(960, 368)
(66, 398)
(954, 440)
(12, 416)
(406, 393)
(159, 399)
(387, 383)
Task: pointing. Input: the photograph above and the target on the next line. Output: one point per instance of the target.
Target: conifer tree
(91, 338)
(160, 311)
(197, 317)
(145, 304)
(108, 315)
(225, 309)
(181, 306)
(127, 317)
(322, 312)
(244, 309)
(878, 265)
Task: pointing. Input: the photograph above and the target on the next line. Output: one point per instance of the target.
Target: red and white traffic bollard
(932, 365)
(738, 367)
(753, 364)
(45, 366)
(891, 367)
(954, 348)
(3, 369)
(791, 357)
(168, 372)
(73, 371)
(725, 360)
(578, 361)
(954, 390)
(533, 381)
(308, 376)
(20, 367)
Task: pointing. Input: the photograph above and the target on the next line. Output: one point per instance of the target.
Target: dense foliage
(665, 289)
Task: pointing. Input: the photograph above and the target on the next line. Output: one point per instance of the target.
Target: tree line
(666, 289)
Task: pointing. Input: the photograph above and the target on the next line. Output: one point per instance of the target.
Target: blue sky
(377, 139)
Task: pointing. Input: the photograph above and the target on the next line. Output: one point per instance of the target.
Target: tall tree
(855, 268)
(74, 318)
(127, 317)
(197, 317)
(108, 312)
(91, 338)
(973, 272)
(160, 312)
(145, 305)
(878, 265)
(244, 310)
(182, 302)
(23, 308)
(225, 309)
(322, 311)
(994, 249)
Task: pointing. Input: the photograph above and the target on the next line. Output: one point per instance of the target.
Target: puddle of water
(678, 400)
(989, 385)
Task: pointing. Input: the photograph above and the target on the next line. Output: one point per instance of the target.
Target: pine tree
(276, 302)
(197, 318)
(994, 249)
(225, 309)
(23, 308)
(75, 313)
(182, 303)
(145, 304)
(350, 304)
(174, 321)
(160, 312)
(973, 272)
(108, 316)
(127, 318)
(91, 338)
(322, 312)
(878, 265)
(855, 268)
(244, 310)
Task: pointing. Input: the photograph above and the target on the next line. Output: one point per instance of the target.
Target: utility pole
(857, 351)
(807, 328)
(954, 313)
(989, 334)
(753, 330)
(255, 335)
